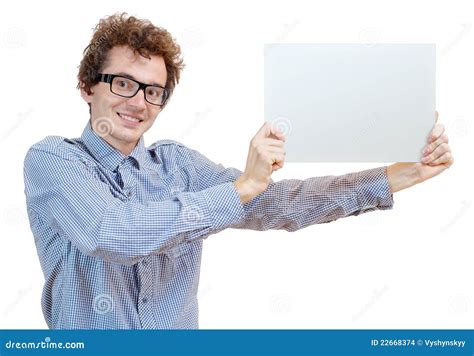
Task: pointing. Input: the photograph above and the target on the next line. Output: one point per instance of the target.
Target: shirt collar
(109, 156)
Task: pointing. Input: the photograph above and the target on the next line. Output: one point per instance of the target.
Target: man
(119, 227)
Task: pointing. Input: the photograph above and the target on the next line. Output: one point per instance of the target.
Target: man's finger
(275, 131)
(446, 158)
(269, 130)
(274, 142)
(278, 161)
(279, 152)
(264, 131)
(432, 146)
(436, 117)
(438, 152)
(437, 131)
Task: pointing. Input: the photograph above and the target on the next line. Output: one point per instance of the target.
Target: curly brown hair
(141, 36)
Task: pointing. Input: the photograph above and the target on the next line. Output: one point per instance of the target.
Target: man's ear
(87, 97)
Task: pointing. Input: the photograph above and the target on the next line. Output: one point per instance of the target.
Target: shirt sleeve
(294, 204)
(68, 196)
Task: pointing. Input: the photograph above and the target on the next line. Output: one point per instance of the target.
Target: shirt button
(129, 194)
(144, 262)
(145, 300)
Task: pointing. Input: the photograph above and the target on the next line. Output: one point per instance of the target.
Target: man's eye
(154, 92)
(122, 83)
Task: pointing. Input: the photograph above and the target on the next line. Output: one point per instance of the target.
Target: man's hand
(437, 157)
(266, 155)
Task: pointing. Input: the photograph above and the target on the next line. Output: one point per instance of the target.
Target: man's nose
(138, 100)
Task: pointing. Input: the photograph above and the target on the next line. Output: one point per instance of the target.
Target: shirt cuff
(225, 207)
(373, 190)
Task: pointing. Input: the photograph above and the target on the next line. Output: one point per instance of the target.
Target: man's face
(111, 113)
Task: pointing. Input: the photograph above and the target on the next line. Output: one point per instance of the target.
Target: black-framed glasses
(128, 88)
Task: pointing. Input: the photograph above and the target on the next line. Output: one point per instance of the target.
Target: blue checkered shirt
(119, 238)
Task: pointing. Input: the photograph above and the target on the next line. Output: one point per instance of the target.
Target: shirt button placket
(129, 183)
(145, 301)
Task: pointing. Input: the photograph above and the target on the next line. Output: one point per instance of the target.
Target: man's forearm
(293, 204)
(248, 189)
(401, 176)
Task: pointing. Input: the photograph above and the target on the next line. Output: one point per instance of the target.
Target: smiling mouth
(129, 118)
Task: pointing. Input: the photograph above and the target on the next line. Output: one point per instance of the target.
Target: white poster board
(351, 102)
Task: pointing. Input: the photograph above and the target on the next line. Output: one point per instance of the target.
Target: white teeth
(129, 118)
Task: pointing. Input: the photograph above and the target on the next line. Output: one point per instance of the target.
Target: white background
(410, 267)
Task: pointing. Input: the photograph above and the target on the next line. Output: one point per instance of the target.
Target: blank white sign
(351, 102)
